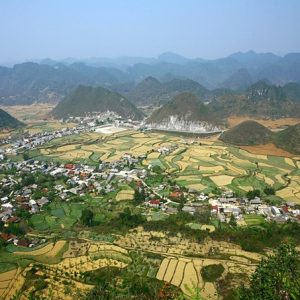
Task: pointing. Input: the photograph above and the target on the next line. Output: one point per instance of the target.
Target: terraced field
(199, 164)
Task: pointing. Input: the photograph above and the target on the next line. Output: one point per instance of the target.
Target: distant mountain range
(49, 81)
(87, 99)
(8, 121)
(251, 133)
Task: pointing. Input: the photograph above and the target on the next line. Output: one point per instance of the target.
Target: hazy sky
(57, 29)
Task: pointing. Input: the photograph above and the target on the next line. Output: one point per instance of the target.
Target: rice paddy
(194, 163)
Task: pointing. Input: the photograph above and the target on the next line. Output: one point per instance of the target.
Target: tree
(252, 194)
(276, 277)
(25, 156)
(232, 221)
(269, 191)
(157, 169)
(87, 217)
(139, 196)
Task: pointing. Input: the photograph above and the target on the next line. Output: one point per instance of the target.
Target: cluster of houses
(79, 180)
(31, 141)
(82, 179)
(95, 119)
(227, 205)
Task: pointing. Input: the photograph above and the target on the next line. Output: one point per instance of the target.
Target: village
(21, 196)
(92, 122)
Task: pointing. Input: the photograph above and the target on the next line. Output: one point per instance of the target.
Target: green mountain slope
(247, 133)
(7, 121)
(288, 139)
(184, 106)
(86, 99)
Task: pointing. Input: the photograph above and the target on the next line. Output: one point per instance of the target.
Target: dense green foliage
(212, 272)
(87, 217)
(258, 238)
(277, 277)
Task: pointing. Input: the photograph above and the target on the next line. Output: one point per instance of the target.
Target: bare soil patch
(267, 149)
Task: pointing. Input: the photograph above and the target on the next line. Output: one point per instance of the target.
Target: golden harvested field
(186, 273)
(290, 194)
(75, 154)
(27, 113)
(125, 195)
(217, 161)
(271, 124)
(221, 180)
(267, 149)
(14, 282)
(153, 155)
(215, 169)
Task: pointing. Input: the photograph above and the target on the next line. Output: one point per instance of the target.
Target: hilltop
(288, 139)
(86, 99)
(247, 133)
(184, 112)
(251, 133)
(8, 121)
(148, 91)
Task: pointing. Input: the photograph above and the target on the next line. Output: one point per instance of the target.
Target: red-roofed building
(285, 209)
(154, 203)
(7, 237)
(214, 209)
(69, 166)
(84, 175)
(13, 220)
(176, 194)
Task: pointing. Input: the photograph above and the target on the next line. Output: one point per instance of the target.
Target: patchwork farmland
(199, 164)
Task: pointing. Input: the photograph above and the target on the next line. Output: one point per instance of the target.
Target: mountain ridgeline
(259, 100)
(50, 81)
(86, 99)
(7, 121)
(250, 133)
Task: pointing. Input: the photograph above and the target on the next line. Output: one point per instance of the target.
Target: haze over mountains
(50, 81)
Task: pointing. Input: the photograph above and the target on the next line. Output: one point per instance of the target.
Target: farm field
(199, 164)
(271, 124)
(29, 113)
(83, 256)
